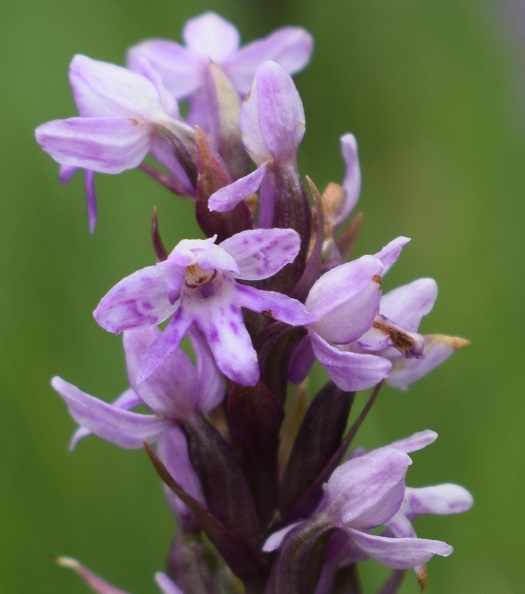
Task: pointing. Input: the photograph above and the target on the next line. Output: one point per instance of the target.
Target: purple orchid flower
(99, 585)
(273, 125)
(368, 491)
(197, 286)
(175, 392)
(389, 347)
(211, 39)
(394, 333)
(441, 499)
(123, 117)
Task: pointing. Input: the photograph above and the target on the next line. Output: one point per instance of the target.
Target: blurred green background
(434, 93)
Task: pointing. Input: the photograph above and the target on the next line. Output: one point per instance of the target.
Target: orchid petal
(391, 252)
(273, 542)
(273, 304)
(91, 198)
(400, 526)
(120, 427)
(167, 101)
(66, 172)
(172, 449)
(301, 361)
(281, 114)
(365, 490)
(106, 145)
(102, 89)
(125, 401)
(203, 252)
(346, 299)
(352, 181)
(437, 349)
(350, 371)
(166, 344)
(290, 47)
(211, 36)
(161, 150)
(399, 553)
(172, 390)
(211, 381)
(181, 69)
(140, 299)
(251, 129)
(166, 585)
(406, 305)
(443, 499)
(261, 253)
(415, 442)
(231, 345)
(228, 197)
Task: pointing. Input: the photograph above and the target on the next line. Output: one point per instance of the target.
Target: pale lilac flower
(123, 117)
(273, 125)
(211, 39)
(444, 499)
(394, 333)
(99, 585)
(363, 494)
(390, 346)
(197, 285)
(368, 491)
(176, 391)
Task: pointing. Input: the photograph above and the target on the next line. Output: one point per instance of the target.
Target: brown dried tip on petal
(158, 247)
(454, 342)
(377, 279)
(421, 573)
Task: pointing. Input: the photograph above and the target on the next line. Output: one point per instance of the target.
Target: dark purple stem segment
(319, 438)
(302, 507)
(243, 560)
(223, 482)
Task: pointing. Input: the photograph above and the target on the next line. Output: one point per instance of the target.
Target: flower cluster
(267, 291)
